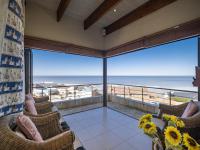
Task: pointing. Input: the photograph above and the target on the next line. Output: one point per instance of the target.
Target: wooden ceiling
(137, 13)
(142, 10)
(91, 17)
(99, 12)
(181, 31)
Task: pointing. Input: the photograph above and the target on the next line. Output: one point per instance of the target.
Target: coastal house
(49, 116)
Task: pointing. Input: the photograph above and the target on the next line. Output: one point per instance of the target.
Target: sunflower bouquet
(170, 137)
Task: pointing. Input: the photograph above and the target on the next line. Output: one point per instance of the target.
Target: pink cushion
(29, 129)
(30, 107)
(29, 97)
(190, 110)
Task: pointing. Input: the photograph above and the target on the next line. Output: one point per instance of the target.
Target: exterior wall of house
(11, 56)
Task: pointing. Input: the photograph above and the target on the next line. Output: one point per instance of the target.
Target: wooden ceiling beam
(99, 12)
(68, 48)
(144, 10)
(61, 8)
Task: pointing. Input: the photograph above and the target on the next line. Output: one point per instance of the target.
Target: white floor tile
(106, 129)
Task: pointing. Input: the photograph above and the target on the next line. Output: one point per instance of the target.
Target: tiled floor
(106, 129)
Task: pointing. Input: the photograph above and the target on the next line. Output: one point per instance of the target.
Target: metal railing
(144, 94)
(152, 95)
(69, 92)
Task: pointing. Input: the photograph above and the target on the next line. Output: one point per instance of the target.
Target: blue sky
(178, 58)
(51, 63)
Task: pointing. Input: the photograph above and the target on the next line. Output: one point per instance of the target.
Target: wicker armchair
(45, 129)
(47, 108)
(41, 99)
(55, 138)
(192, 124)
(43, 108)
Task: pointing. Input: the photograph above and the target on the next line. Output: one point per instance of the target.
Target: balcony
(129, 99)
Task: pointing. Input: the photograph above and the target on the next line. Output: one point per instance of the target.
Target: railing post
(42, 92)
(124, 92)
(92, 90)
(74, 93)
(50, 94)
(170, 98)
(111, 91)
(142, 95)
(66, 95)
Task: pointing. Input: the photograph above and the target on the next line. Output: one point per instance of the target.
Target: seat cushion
(30, 107)
(190, 110)
(28, 128)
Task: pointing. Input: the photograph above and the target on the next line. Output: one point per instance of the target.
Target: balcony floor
(106, 129)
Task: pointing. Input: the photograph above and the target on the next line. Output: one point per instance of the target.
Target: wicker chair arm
(40, 115)
(64, 140)
(44, 107)
(176, 110)
(41, 99)
(48, 125)
(192, 122)
(10, 140)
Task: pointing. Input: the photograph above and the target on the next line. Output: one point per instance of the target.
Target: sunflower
(142, 122)
(190, 143)
(150, 128)
(173, 136)
(180, 123)
(166, 117)
(173, 119)
(147, 117)
(144, 119)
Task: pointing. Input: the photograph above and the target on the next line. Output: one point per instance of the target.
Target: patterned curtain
(11, 56)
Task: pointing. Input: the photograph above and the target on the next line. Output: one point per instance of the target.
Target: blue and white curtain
(11, 56)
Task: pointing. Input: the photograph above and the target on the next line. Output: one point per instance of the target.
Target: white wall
(176, 13)
(41, 22)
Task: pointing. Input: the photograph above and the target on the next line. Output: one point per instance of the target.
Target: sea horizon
(182, 82)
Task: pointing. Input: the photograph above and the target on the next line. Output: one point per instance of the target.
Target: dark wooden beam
(61, 8)
(44, 44)
(138, 13)
(179, 32)
(99, 12)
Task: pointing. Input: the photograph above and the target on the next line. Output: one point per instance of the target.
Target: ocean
(171, 82)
